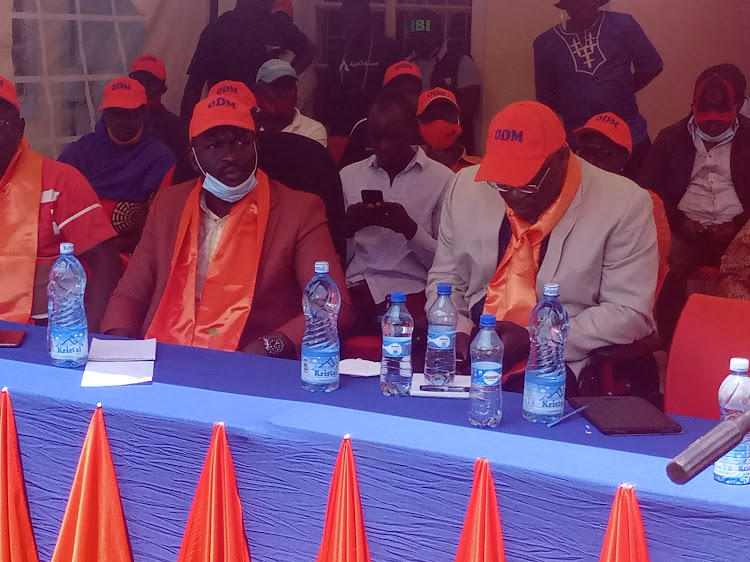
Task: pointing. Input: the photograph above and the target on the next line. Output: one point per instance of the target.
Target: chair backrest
(663, 238)
(711, 331)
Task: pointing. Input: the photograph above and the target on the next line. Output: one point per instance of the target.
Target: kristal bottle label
(320, 367)
(67, 344)
(544, 394)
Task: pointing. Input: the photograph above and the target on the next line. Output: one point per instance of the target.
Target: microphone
(707, 449)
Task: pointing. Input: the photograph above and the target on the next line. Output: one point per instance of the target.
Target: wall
(690, 35)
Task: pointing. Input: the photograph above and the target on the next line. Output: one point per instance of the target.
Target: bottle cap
(444, 289)
(739, 364)
(551, 290)
(487, 321)
(66, 249)
(322, 267)
(398, 297)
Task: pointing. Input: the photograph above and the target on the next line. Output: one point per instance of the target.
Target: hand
(256, 347)
(393, 216)
(359, 216)
(691, 230)
(516, 341)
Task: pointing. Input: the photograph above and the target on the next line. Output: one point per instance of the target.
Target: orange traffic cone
(16, 535)
(344, 536)
(214, 530)
(482, 535)
(93, 527)
(625, 540)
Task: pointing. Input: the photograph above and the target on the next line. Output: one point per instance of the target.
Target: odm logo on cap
(222, 102)
(509, 135)
(608, 120)
(227, 90)
(120, 86)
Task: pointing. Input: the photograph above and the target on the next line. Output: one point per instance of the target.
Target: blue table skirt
(414, 460)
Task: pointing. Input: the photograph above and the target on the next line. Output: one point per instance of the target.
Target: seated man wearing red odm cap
(44, 203)
(440, 127)
(223, 260)
(534, 213)
(122, 160)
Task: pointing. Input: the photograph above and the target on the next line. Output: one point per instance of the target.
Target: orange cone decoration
(625, 540)
(93, 527)
(344, 536)
(214, 531)
(16, 536)
(482, 536)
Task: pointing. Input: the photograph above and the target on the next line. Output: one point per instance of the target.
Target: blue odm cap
(322, 267)
(444, 289)
(398, 297)
(273, 69)
(487, 321)
(66, 249)
(551, 290)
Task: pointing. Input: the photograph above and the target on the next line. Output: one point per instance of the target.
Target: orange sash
(20, 198)
(511, 294)
(230, 282)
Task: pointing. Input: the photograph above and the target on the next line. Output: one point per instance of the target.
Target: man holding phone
(393, 200)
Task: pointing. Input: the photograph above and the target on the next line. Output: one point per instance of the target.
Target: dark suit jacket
(669, 166)
(296, 237)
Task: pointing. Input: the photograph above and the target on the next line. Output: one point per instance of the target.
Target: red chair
(711, 331)
(362, 347)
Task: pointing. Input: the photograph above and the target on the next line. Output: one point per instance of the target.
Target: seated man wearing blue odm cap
(276, 92)
(534, 213)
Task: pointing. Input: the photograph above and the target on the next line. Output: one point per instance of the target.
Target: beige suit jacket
(603, 253)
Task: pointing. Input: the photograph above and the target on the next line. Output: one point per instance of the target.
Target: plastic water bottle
(321, 303)
(440, 361)
(67, 327)
(544, 384)
(734, 400)
(395, 368)
(486, 397)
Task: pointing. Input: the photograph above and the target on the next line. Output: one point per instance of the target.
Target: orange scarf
(511, 294)
(20, 198)
(227, 296)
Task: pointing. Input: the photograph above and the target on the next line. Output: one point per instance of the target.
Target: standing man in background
(168, 128)
(446, 66)
(595, 64)
(238, 43)
(355, 75)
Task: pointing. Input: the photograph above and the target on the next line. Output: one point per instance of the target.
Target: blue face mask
(726, 135)
(222, 190)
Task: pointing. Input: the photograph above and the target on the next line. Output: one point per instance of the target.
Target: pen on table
(439, 388)
(566, 416)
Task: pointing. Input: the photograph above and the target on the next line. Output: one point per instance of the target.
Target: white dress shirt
(387, 260)
(310, 128)
(209, 235)
(710, 197)
(745, 111)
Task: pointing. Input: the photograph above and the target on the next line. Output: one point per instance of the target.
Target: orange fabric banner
(625, 540)
(20, 198)
(93, 527)
(344, 535)
(227, 295)
(511, 294)
(214, 531)
(17, 542)
(482, 535)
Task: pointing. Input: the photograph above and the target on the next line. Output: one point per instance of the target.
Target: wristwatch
(274, 346)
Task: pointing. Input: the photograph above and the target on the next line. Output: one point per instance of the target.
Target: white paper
(122, 350)
(359, 368)
(418, 380)
(117, 373)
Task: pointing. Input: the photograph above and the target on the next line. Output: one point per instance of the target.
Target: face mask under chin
(222, 190)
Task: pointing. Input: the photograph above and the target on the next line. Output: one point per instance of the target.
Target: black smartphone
(372, 196)
(11, 338)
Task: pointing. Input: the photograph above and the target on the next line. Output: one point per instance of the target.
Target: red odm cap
(401, 68)
(123, 93)
(151, 64)
(283, 6)
(521, 137)
(215, 111)
(714, 100)
(426, 98)
(8, 92)
(235, 90)
(611, 126)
